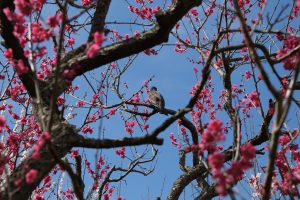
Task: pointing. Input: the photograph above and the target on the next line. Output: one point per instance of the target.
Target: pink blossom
(2, 121)
(38, 197)
(80, 103)
(24, 6)
(284, 139)
(93, 50)
(46, 136)
(298, 3)
(87, 129)
(112, 111)
(216, 160)
(8, 54)
(21, 67)
(87, 2)
(31, 176)
(98, 38)
(145, 126)
(259, 77)
(121, 152)
(196, 70)
(247, 74)
(74, 153)
(248, 151)
(69, 74)
(194, 12)
(60, 101)
(53, 21)
(70, 42)
(215, 126)
(219, 63)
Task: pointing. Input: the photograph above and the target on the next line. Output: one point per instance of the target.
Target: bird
(157, 99)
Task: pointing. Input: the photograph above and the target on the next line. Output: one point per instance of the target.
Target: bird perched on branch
(157, 99)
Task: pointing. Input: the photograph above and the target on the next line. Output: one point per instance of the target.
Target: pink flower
(196, 70)
(74, 153)
(87, 2)
(21, 67)
(31, 176)
(112, 111)
(215, 126)
(99, 38)
(70, 42)
(259, 77)
(93, 50)
(283, 140)
(194, 12)
(219, 63)
(247, 74)
(69, 74)
(60, 101)
(121, 152)
(53, 21)
(23, 6)
(2, 121)
(248, 151)
(38, 197)
(87, 129)
(216, 160)
(298, 3)
(8, 54)
(46, 136)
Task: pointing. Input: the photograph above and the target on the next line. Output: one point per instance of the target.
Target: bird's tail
(163, 111)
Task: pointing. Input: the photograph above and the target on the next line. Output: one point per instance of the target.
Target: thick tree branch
(81, 141)
(98, 20)
(148, 39)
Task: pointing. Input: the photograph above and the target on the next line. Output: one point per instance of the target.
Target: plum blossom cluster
(46, 186)
(255, 184)
(99, 175)
(87, 129)
(289, 172)
(129, 125)
(19, 65)
(95, 47)
(31, 175)
(289, 43)
(226, 178)
(174, 141)
(204, 103)
(248, 102)
(212, 134)
(181, 46)
(44, 137)
(70, 74)
(87, 2)
(121, 152)
(144, 12)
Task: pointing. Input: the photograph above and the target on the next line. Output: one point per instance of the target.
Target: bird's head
(153, 89)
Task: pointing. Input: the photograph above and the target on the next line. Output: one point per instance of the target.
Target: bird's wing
(154, 97)
(162, 101)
